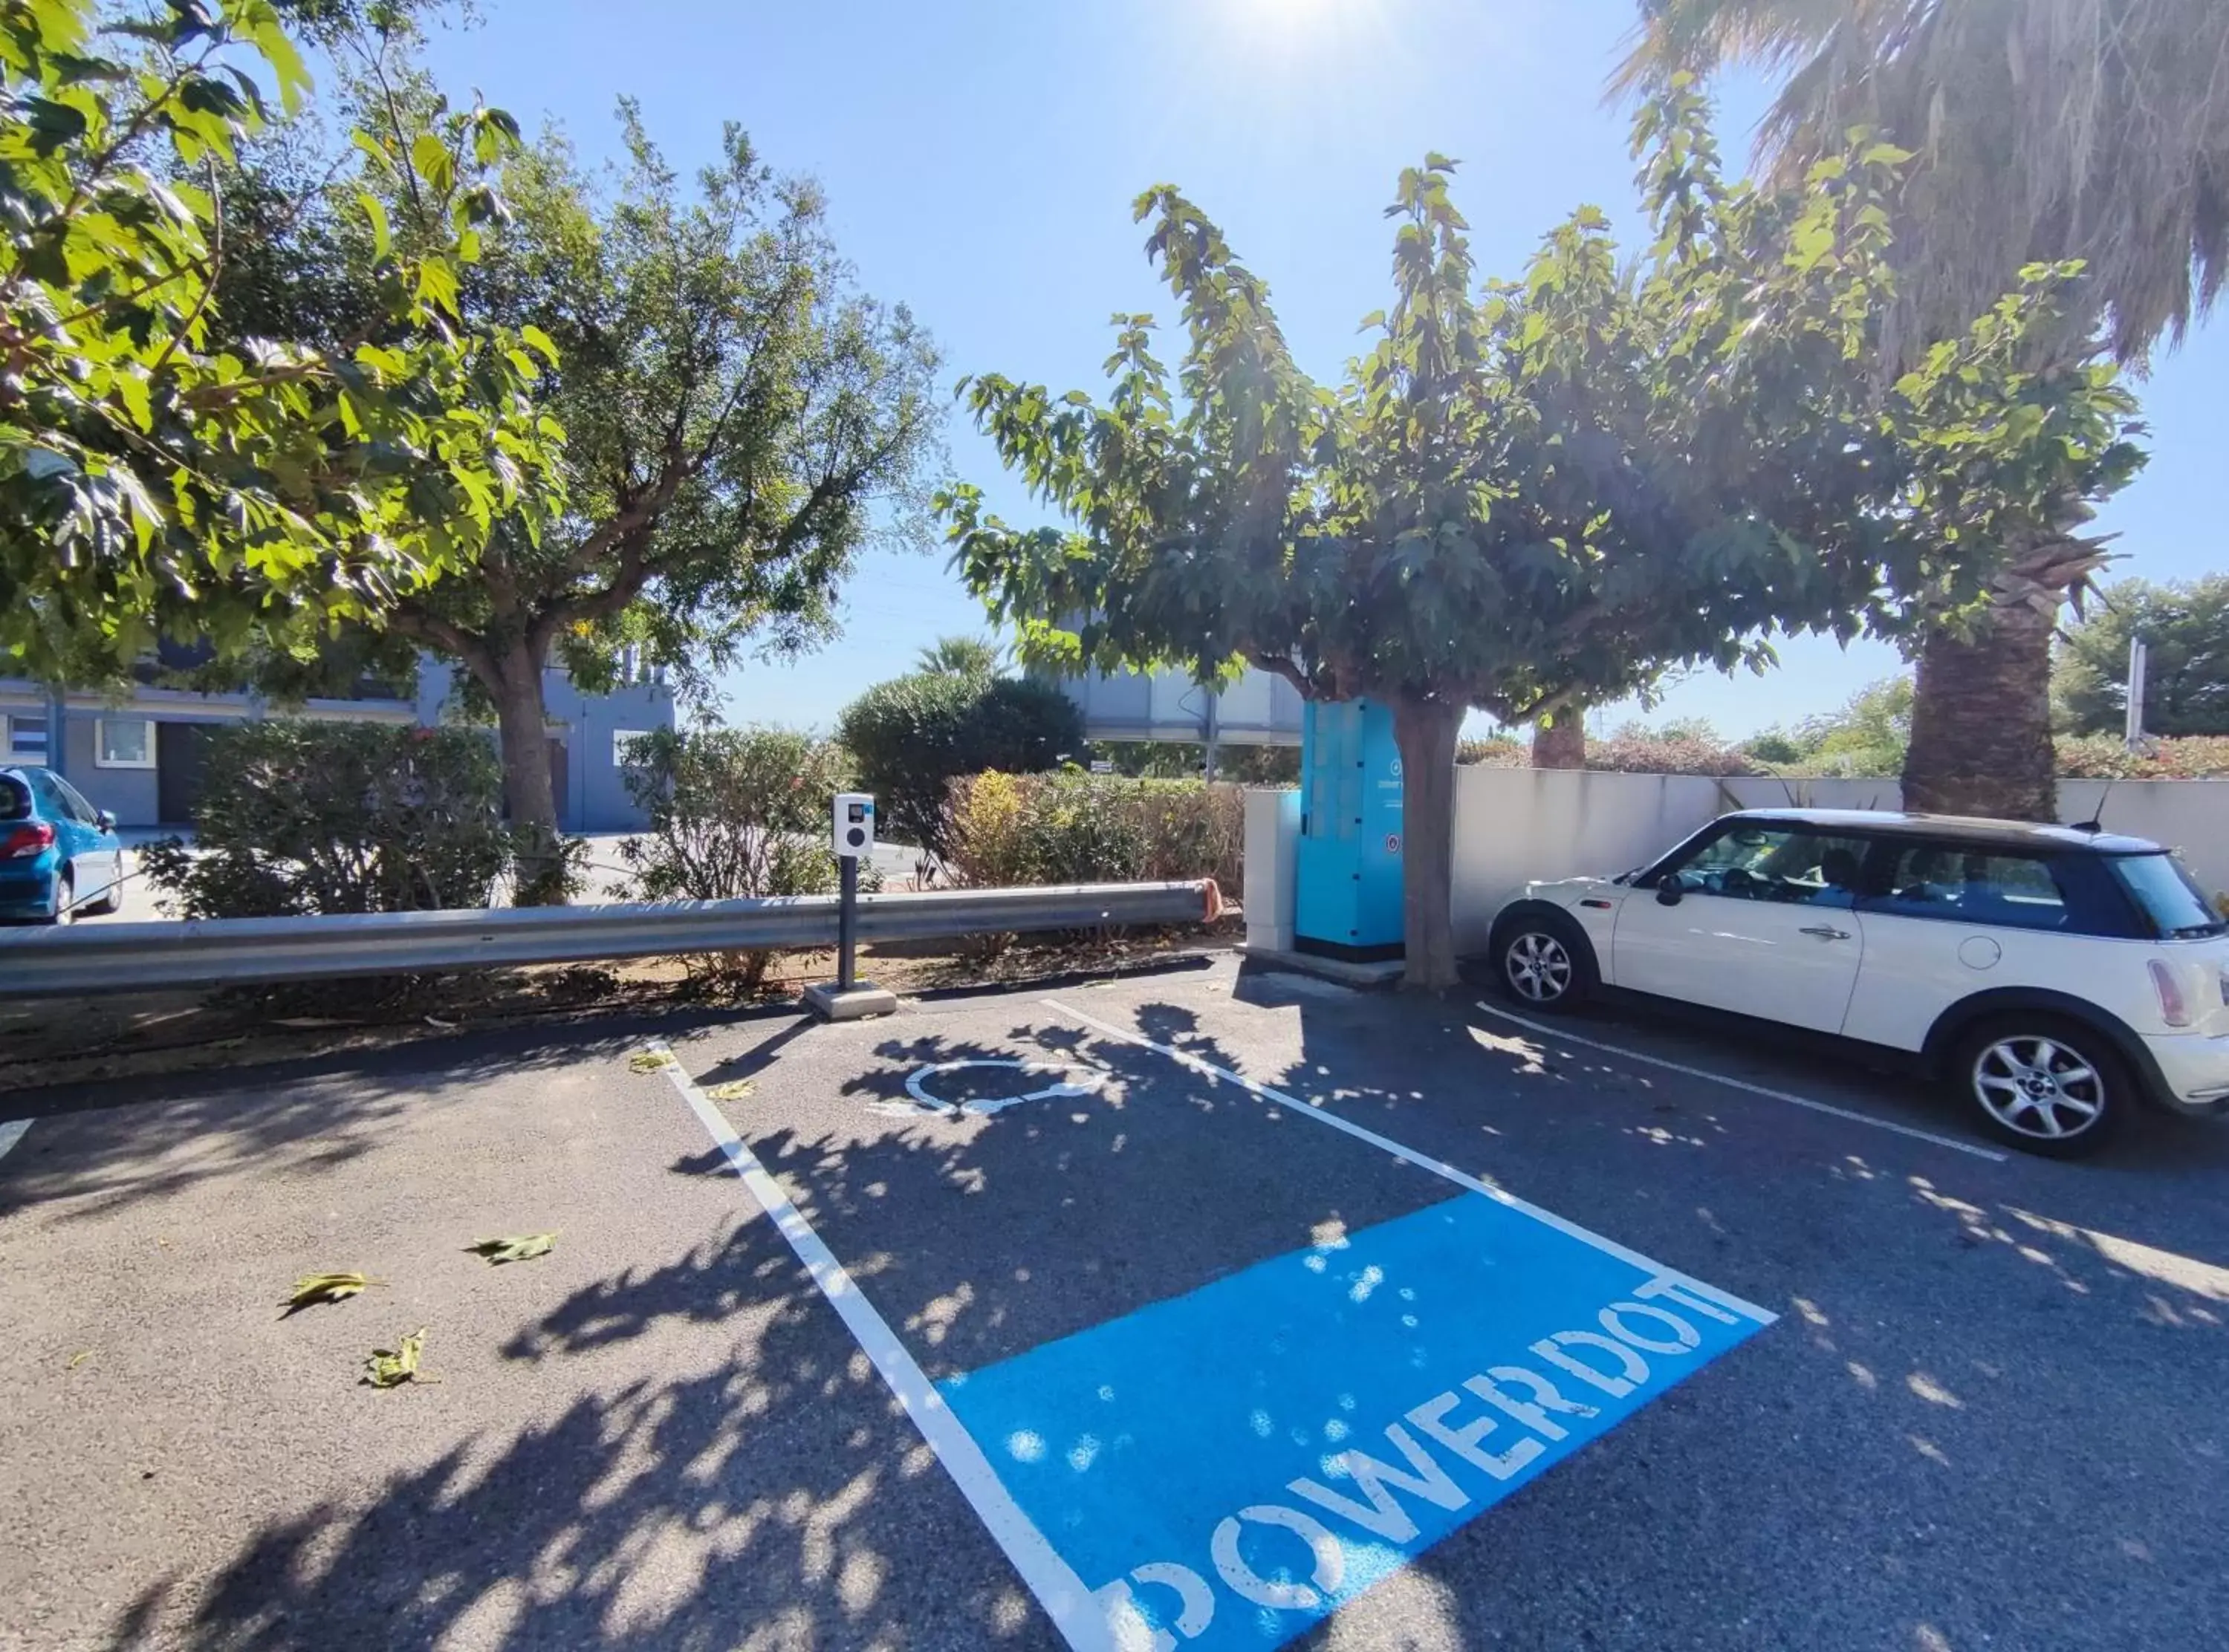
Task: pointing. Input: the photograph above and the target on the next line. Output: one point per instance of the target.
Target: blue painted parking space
(1077, 1274)
(1230, 1466)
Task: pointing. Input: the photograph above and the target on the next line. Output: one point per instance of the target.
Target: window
(2167, 894)
(73, 800)
(124, 743)
(1975, 886)
(27, 736)
(623, 755)
(1777, 863)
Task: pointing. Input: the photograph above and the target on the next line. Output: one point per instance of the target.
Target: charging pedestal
(1347, 895)
(851, 835)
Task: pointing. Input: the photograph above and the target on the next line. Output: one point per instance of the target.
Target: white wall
(1516, 824)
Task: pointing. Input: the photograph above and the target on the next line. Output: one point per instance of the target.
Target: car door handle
(1825, 933)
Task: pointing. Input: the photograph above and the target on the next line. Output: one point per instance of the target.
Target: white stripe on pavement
(1424, 1161)
(1566, 1037)
(11, 1133)
(1080, 1619)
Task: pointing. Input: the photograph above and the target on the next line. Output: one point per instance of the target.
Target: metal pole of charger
(847, 918)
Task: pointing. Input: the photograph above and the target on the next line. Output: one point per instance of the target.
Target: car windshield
(2169, 895)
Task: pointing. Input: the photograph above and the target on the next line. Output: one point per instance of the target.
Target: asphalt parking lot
(1206, 1308)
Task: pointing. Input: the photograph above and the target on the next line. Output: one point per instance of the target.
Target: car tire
(64, 899)
(1542, 961)
(2043, 1083)
(109, 904)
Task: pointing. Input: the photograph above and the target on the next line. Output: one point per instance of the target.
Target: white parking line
(1564, 1036)
(1422, 1161)
(12, 1132)
(1080, 1619)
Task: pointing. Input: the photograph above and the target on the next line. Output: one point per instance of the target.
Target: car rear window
(2166, 893)
(15, 798)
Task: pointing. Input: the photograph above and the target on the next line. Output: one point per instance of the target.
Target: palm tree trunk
(1560, 740)
(1980, 722)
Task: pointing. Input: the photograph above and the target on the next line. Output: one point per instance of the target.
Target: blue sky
(980, 159)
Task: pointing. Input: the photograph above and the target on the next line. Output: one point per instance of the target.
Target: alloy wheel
(2038, 1088)
(1539, 967)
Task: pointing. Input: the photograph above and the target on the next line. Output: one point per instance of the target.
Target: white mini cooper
(2053, 974)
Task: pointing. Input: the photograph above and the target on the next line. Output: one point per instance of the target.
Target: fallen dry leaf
(77, 1360)
(735, 1091)
(524, 1248)
(315, 1288)
(649, 1060)
(392, 1367)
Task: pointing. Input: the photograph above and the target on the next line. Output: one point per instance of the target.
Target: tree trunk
(522, 719)
(1980, 722)
(1559, 742)
(1425, 731)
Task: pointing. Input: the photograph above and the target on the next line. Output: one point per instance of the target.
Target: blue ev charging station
(1348, 904)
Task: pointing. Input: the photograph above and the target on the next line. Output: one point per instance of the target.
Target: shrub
(1631, 753)
(298, 818)
(2100, 756)
(1495, 751)
(734, 814)
(912, 736)
(1005, 829)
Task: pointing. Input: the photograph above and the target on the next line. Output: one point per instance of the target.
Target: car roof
(1958, 828)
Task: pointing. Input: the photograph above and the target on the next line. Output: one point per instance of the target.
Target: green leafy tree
(158, 477)
(2186, 631)
(2049, 132)
(912, 736)
(1525, 499)
(739, 421)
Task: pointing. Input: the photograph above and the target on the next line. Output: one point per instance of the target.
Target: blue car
(59, 857)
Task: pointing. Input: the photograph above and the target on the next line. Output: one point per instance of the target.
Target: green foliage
(1866, 737)
(1007, 830)
(734, 814)
(913, 735)
(301, 818)
(2186, 630)
(157, 477)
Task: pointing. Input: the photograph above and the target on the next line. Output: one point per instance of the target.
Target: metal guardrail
(96, 958)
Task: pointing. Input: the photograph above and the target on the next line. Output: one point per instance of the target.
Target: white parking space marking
(11, 1133)
(1422, 1161)
(1563, 1036)
(1059, 1590)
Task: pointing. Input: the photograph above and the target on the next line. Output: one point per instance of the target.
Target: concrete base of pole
(856, 1002)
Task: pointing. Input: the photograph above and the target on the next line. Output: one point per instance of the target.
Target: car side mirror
(1670, 891)
(106, 819)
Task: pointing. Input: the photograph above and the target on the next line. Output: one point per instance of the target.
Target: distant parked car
(59, 857)
(2054, 975)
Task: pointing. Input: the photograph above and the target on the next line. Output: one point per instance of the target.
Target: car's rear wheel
(1543, 961)
(64, 899)
(2043, 1083)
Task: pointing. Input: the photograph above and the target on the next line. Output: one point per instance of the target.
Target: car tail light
(33, 839)
(2174, 1010)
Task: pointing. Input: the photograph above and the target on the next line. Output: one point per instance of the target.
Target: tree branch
(1278, 666)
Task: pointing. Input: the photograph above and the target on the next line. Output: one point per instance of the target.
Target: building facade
(139, 755)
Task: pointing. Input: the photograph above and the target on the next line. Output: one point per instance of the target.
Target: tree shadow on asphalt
(1946, 1322)
(779, 1499)
(97, 1149)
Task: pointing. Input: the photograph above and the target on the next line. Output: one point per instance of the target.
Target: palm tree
(960, 657)
(2044, 130)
